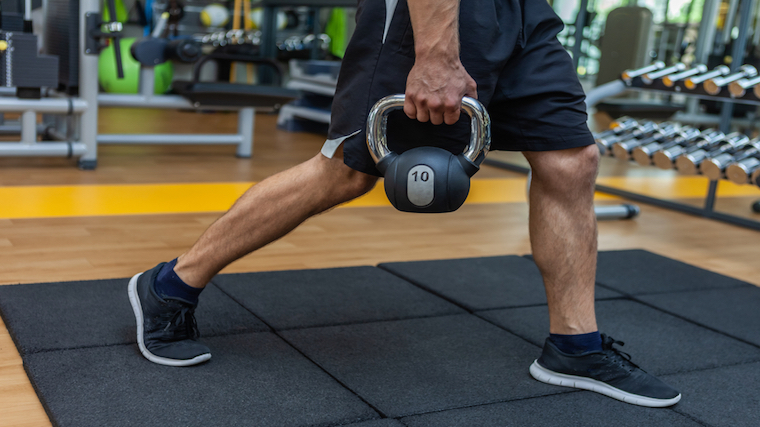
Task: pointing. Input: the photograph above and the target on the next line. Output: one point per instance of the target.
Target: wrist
(439, 52)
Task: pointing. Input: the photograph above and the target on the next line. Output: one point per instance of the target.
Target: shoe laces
(182, 324)
(616, 356)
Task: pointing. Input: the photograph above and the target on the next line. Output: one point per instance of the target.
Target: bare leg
(563, 234)
(268, 211)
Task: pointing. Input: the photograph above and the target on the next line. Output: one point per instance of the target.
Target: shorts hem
(559, 143)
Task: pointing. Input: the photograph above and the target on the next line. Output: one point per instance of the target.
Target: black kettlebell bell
(427, 179)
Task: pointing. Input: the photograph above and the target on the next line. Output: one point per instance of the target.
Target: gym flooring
(146, 204)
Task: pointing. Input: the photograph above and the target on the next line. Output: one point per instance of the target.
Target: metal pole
(28, 127)
(246, 120)
(737, 58)
(268, 42)
(705, 41)
(147, 82)
(728, 24)
(88, 88)
(580, 23)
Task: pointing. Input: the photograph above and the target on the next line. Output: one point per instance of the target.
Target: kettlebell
(427, 179)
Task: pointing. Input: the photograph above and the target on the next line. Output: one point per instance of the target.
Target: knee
(346, 183)
(567, 171)
(357, 184)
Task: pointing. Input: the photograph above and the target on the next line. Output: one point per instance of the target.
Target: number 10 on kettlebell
(427, 179)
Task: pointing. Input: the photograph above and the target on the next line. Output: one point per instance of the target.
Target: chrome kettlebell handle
(377, 123)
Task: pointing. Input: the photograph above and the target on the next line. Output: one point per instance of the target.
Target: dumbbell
(739, 88)
(643, 154)
(629, 75)
(640, 130)
(744, 163)
(650, 77)
(692, 82)
(622, 150)
(688, 163)
(715, 85)
(671, 80)
(427, 179)
(665, 158)
(623, 124)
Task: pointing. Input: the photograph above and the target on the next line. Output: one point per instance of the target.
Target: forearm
(436, 28)
(438, 81)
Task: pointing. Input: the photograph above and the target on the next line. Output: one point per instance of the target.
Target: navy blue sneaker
(609, 372)
(166, 330)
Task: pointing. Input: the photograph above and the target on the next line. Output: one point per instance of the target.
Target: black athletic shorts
(525, 79)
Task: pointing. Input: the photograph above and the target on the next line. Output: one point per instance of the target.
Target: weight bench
(222, 94)
(196, 94)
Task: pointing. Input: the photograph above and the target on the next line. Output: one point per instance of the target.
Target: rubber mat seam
(275, 332)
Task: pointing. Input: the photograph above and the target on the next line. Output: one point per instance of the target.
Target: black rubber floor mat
(735, 312)
(721, 397)
(578, 409)
(335, 296)
(251, 380)
(421, 365)
(481, 283)
(637, 272)
(362, 346)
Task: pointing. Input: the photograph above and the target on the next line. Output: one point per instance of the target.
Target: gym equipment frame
(81, 139)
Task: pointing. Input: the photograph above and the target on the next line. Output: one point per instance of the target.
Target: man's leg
(164, 298)
(563, 237)
(268, 211)
(563, 234)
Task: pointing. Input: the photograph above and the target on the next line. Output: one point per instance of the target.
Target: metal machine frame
(82, 139)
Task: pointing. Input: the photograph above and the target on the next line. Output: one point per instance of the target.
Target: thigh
(539, 103)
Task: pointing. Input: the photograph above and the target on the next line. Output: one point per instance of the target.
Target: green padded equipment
(111, 83)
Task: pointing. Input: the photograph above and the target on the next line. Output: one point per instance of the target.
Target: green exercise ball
(110, 81)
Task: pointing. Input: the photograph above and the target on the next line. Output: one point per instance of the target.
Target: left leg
(563, 234)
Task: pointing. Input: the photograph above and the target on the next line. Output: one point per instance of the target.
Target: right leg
(268, 211)
(164, 298)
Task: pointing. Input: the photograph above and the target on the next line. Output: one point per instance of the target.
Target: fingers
(433, 109)
(452, 110)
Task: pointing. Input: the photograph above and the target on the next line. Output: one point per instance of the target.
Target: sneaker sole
(550, 377)
(137, 308)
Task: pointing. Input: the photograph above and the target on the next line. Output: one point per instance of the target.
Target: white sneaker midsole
(550, 377)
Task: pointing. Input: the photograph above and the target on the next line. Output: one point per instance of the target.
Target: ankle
(577, 343)
(187, 273)
(169, 285)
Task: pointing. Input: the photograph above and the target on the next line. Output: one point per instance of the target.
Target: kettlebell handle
(377, 123)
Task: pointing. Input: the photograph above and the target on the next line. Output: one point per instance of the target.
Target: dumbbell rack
(657, 85)
(620, 86)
